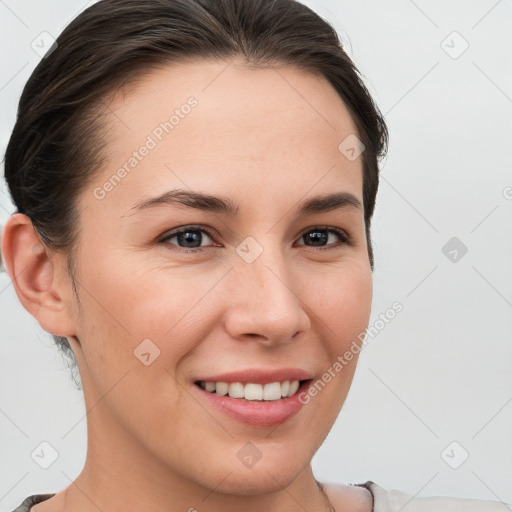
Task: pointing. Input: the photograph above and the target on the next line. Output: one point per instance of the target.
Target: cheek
(342, 306)
(126, 307)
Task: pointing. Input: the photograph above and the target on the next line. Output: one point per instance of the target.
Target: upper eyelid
(191, 227)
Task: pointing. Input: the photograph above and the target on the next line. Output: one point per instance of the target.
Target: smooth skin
(267, 139)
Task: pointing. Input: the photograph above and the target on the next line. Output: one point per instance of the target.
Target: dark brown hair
(56, 145)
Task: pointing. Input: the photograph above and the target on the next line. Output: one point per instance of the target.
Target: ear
(39, 276)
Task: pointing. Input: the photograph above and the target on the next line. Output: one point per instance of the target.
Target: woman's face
(263, 287)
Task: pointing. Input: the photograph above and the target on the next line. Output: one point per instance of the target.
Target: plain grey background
(430, 408)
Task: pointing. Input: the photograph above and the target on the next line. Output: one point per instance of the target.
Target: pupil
(188, 237)
(317, 236)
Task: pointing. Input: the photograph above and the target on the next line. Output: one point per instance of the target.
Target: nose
(266, 301)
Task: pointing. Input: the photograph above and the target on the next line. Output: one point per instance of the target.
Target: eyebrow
(223, 205)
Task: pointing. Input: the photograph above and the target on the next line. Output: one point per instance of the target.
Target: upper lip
(259, 376)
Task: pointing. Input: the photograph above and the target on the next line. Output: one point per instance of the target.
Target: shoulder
(357, 498)
(371, 497)
(32, 500)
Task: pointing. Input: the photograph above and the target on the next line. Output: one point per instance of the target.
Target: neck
(120, 475)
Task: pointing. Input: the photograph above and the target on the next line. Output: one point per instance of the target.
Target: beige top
(398, 501)
(383, 501)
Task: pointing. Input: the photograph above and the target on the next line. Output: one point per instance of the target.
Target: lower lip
(257, 413)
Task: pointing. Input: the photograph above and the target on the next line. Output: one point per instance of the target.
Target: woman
(194, 183)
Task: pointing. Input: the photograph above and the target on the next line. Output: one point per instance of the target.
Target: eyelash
(345, 239)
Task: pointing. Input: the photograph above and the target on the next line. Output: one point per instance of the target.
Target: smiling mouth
(271, 391)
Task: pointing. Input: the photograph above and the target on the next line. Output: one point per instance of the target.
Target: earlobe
(36, 277)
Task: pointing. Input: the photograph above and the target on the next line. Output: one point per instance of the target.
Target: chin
(250, 483)
(274, 470)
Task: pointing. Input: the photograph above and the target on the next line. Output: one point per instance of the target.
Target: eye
(190, 236)
(320, 235)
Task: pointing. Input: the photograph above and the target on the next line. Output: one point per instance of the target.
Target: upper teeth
(251, 391)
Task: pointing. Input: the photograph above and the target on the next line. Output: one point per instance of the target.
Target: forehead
(222, 123)
(232, 95)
